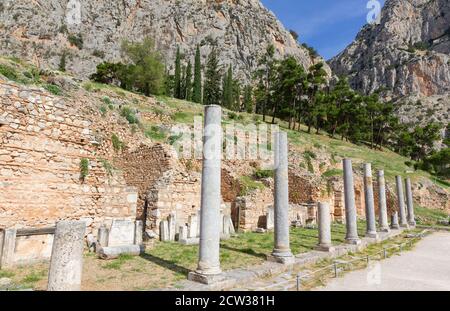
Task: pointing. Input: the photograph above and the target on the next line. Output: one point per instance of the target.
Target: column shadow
(168, 264)
(247, 251)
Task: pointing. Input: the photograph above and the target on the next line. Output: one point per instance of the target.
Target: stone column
(401, 202)
(103, 236)
(350, 208)
(281, 252)
(383, 220)
(8, 248)
(208, 270)
(138, 232)
(371, 231)
(324, 222)
(66, 262)
(394, 221)
(410, 202)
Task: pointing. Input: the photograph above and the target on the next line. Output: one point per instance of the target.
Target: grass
(248, 184)
(116, 264)
(332, 172)
(6, 274)
(155, 133)
(429, 217)
(33, 277)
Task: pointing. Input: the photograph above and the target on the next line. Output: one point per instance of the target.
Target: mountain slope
(92, 31)
(407, 54)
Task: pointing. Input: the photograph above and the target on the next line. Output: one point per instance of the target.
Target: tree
(197, 88)
(227, 89)
(188, 81)
(212, 90)
(316, 80)
(177, 78)
(146, 71)
(266, 75)
(248, 100)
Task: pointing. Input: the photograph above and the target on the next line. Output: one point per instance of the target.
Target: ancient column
(66, 262)
(401, 202)
(281, 252)
(7, 246)
(383, 219)
(371, 231)
(324, 222)
(208, 268)
(410, 202)
(394, 221)
(103, 236)
(350, 208)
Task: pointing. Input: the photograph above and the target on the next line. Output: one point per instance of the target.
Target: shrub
(8, 72)
(76, 40)
(54, 89)
(260, 174)
(130, 115)
(109, 168)
(116, 142)
(155, 133)
(84, 169)
(248, 184)
(332, 172)
(99, 54)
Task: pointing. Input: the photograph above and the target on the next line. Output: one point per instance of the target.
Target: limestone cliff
(406, 55)
(92, 31)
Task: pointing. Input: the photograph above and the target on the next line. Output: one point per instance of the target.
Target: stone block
(8, 248)
(270, 218)
(138, 232)
(121, 232)
(113, 252)
(164, 231)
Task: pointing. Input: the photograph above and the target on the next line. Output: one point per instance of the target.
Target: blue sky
(327, 25)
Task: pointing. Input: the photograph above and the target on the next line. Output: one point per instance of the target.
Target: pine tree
(177, 79)
(212, 91)
(188, 81)
(236, 95)
(197, 87)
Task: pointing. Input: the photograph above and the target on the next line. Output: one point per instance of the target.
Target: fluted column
(371, 228)
(382, 206)
(410, 202)
(401, 202)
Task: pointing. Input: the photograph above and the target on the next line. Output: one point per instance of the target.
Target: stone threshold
(240, 276)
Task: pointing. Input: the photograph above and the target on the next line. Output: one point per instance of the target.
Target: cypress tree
(188, 81)
(228, 92)
(177, 78)
(248, 102)
(212, 92)
(183, 83)
(197, 88)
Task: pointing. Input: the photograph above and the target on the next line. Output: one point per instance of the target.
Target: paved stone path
(426, 267)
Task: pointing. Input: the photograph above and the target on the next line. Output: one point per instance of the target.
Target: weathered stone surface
(383, 57)
(121, 232)
(8, 247)
(103, 236)
(138, 232)
(112, 252)
(241, 30)
(67, 256)
(164, 231)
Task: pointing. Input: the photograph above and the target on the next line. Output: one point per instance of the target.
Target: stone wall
(42, 141)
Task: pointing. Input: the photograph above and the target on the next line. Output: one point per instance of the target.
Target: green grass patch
(118, 145)
(33, 277)
(6, 274)
(260, 174)
(248, 184)
(429, 217)
(155, 133)
(116, 264)
(54, 89)
(332, 172)
(130, 115)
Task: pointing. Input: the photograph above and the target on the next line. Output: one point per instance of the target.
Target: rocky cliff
(89, 32)
(407, 54)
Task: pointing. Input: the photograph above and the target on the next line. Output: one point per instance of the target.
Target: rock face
(407, 54)
(90, 32)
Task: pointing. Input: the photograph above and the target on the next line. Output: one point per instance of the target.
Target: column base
(199, 277)
(385, 229)
(395, 227)
(404, 226)
(285, 260)
(412, 224)
(353, 241)
(325, 248)
(372, 235)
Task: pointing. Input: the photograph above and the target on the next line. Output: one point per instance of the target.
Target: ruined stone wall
(42, 141)
(142, 167)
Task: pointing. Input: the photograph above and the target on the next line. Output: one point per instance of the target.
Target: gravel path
(426, 268)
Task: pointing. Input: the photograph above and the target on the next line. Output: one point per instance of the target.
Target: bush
(130, 115)
(76, 40)
(155, 133)
(260, 174)
(84, 169)
(54, 89)
(116, 142)
(8, 72)
(332, 172)
(248, 184)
